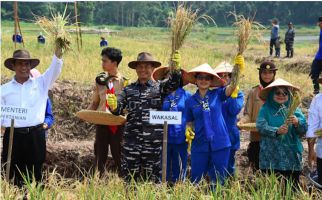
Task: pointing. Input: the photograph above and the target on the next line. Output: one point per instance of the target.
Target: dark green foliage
(156, 13)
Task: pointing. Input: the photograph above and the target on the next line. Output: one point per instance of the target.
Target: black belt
(27, 129)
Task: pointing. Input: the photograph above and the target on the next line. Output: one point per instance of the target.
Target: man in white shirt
(24, 91)
(315, 122)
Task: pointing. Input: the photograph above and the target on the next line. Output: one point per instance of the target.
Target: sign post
(12, 113)
(165, 118)
(9, 150)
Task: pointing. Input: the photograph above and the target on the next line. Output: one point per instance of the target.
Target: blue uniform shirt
(318, 55)
(230, 109)
(49, 117)
(274, 32)
(103, 43)
(209, 124)
(176, 102)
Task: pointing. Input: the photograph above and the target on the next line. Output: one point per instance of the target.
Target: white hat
(204, 68)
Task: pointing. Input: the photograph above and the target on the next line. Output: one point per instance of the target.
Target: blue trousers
(214, 163)
(231, 162)
(177, 157)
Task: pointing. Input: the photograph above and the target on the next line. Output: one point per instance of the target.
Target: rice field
(212, 45)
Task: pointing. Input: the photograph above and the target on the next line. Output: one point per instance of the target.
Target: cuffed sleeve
(170, 84)
(262, 125)
(236, 104)
(121, 103)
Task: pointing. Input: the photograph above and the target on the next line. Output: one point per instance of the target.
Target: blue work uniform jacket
(230, 109)
(176, 102)
(209, 125)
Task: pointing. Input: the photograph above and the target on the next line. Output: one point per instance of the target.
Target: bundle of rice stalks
(247, 126)
(181, 25)
(318, 132)
(295, 101)
(55, 28)
(246, 29)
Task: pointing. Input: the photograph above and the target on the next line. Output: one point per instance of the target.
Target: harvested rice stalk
(181, 25)
(55, 28)
(295, 101)
(318, 132)
(246, 29)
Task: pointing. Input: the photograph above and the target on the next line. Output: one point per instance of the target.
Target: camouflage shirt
(137, 100)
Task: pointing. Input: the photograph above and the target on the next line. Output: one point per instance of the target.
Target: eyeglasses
(279, 93)
(204, 77)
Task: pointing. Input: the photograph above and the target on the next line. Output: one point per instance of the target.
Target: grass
(111, 187)
(211, 45)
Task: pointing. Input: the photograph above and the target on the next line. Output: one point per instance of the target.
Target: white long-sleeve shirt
(315, 122)
(32, 94)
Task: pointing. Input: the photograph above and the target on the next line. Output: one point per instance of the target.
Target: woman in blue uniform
(230, 109)
(210, 149)
(177, 154)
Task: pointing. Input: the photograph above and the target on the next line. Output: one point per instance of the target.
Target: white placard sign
(159, 117)
(13, 112)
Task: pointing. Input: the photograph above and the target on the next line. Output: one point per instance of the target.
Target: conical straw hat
(160, 73)
(224, 67)
(204, 68)
(277, 83)
(100, 117)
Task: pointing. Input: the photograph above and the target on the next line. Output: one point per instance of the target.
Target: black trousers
(319, 168)
(105, 138)
(271, 45)
(289, 49)
(253, 155)
(28, 154)
(316, 69)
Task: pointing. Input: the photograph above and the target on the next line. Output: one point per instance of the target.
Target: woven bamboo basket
(100, 117)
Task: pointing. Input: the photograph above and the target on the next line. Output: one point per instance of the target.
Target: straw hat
(224, 67)
(100, 117)
(277, 83)
(204, 68)
(21, 55)
(144, 57)
(160, 73)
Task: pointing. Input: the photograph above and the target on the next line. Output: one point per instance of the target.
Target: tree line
(156, 13)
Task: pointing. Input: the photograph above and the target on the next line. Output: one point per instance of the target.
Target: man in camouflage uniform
(142, 145)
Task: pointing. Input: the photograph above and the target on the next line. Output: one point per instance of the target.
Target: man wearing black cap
(316, 67)
(25, 91)
(289, 40)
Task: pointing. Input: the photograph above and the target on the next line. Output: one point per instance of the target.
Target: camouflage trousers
(141, 158)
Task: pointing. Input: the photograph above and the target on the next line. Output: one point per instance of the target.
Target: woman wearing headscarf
(177, 154)
(211, 144)
(280, 146)
(230, 109)
(266, 73)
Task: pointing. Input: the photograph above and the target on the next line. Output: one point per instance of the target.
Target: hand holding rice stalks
(55, 28)
(295, 101)
(181, 25)
(246, 29)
